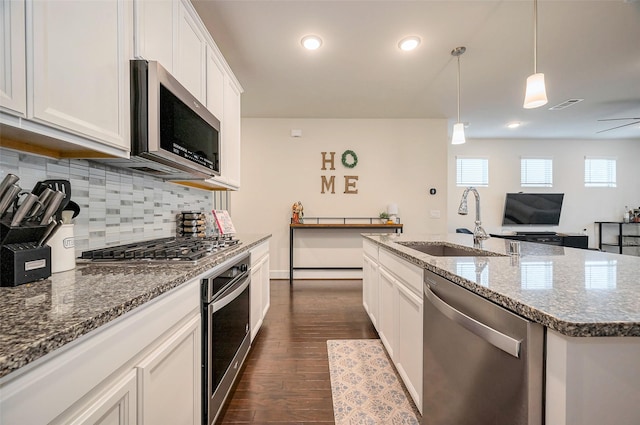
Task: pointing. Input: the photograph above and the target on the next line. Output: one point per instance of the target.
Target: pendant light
(535, 93)
(458, 128)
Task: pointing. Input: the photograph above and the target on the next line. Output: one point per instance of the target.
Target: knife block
(28, 232)
(21, 259)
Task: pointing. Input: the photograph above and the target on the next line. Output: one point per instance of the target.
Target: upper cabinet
(80, 78)
(65, 80)
(171, 32)
(13, 88)
(154, 31)
(191, 47)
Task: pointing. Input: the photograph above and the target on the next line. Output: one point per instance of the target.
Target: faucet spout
(479, 233)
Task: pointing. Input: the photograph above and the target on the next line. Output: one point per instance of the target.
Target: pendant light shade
(457, 138)
(458, 134)
(536, 93)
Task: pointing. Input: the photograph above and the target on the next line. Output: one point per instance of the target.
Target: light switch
(434, 213)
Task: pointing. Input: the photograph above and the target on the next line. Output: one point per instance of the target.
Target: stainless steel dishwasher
(483, 365)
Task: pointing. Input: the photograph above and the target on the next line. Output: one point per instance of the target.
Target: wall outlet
(434, 213)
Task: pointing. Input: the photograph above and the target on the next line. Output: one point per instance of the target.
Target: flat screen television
(532, 209)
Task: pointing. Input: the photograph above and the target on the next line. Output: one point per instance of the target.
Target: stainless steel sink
(443, 249)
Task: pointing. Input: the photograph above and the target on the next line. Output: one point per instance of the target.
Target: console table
(626, 235)
(334, 223)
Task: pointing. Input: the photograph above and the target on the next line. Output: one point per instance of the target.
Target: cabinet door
(266, 286)
(387, 319)
(189, 67)
(370, 289)
(154, 29)
(13, 89)
(231, 134)
(80, 78)
(215, 85)
(255, 314)
(260, 297)
(408, 356)
(115, 406)
(169, 379)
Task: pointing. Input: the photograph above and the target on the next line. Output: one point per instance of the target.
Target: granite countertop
(40, 317)
(576, 292)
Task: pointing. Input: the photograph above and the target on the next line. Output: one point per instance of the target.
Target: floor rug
(365, 387)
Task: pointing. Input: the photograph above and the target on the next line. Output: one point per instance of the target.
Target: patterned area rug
(365, 387)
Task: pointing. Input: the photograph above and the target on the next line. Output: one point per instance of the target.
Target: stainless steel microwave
(173, 135)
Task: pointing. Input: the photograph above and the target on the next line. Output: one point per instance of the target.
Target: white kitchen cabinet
(13, 89)
(215, 84)
(190, 52)
(169, 379)
(154, 31)
(392, 295)
(79, 67)
(172, 33)
(387, 319)
(260, 287)
(408, 353)
(119, 371)
(370, 281)
(115, 406)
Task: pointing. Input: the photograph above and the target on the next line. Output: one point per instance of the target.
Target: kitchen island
(88, 337)
(587, 301)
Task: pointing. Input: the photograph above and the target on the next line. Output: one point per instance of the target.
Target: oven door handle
(231, 293)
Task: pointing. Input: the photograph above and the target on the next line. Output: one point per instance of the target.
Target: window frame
(483, 180)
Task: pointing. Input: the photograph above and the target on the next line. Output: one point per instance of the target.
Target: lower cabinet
(260, 287)
(392, 296)
(169, 379)
(116, 406)
(142, 368)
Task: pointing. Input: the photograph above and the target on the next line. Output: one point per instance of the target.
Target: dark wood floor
(286, 375)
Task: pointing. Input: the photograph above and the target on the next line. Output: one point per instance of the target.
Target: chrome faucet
(478, 233)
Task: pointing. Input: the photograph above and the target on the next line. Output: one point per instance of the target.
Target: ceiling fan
(636, 121)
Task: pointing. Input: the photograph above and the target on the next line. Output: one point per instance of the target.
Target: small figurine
(297, 213)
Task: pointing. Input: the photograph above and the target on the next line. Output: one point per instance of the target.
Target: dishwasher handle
(494, 337)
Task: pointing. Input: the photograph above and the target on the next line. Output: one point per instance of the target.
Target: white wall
(398, 161)
(582, 206)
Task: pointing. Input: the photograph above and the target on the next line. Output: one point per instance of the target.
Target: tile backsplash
(117, 206)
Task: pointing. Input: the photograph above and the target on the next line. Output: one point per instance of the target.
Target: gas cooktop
(188, 250)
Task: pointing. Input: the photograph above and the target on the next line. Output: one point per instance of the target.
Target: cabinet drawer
(409, 274)
(371, 249)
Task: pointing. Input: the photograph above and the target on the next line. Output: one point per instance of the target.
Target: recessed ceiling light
(514, 124)
(409, 43)
(311, 42)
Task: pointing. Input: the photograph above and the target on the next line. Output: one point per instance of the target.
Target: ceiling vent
(565, 104)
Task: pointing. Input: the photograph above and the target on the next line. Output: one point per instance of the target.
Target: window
(472, 171)
(599, 172)
(536, 172)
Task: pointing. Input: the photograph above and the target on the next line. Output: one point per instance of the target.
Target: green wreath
(354, 157)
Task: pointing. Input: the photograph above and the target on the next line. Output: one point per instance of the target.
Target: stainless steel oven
(225, 333)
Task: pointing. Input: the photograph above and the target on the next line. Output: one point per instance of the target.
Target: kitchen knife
(52, 206)
(23, 209)
(51, 229)
(8, 180)
(43, 201)
(8, 197)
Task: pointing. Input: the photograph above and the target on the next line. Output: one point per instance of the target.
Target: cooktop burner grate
(166, 249)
